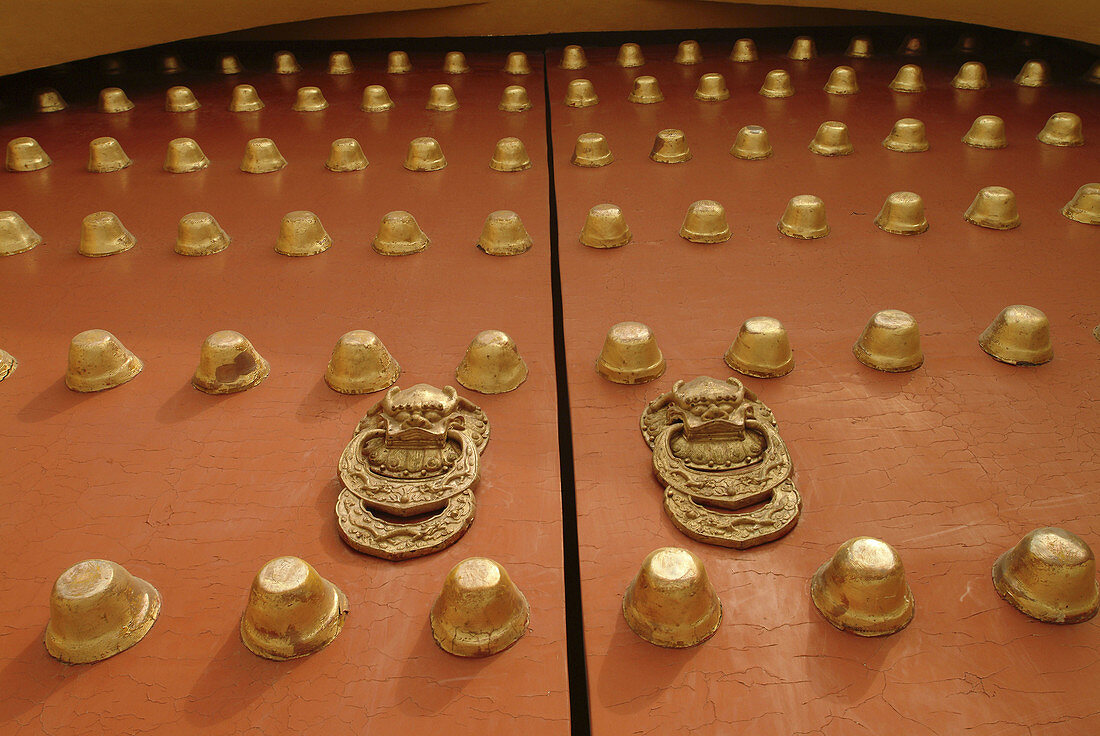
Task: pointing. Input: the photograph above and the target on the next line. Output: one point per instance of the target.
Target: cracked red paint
(951, 464)
(195, 492)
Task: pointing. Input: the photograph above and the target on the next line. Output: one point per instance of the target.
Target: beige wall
(520, 17)
(1074, 19)
(63, 30)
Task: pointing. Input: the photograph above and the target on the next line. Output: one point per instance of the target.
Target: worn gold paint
(842, 81)
(112, 66)
(1050, 575)
(705, 222)
(804, 218)
(504, 235)
(671, 601)
(114, 100)
(25, 154)
(397, 62)
(49, 100)
(510, 155)
(630, 55)
(859, 48)
(605, 227)
(98, 609)
(514, 99)
(339, 63)
(862, 589)
(442, 98)
(171, 64)
(415, 454)
(573, 58)
(971, 75)
(670, 147)
(346, 155)
(228, 364)
(8, 363)
(180, 99)
(184, 156)
(1018, 335)
(285, 63)
(302, 234)
(752, 144)
(1092, 76)
(890, 342)
(902, 214)
(424, 154)
(480, 611)
(711, 88)
(229, 64)
(592, 151)
(994, 208)
(717, 452)
(987, 131)
(646, 91)
(102, 234)
(912, 46)
(199, 234)
(291, 611)
(802, 49)
(492, 364)
(909, 79)
(968, 44)
(688, 53)
(761, 349)
(375, 99)
(907, 136)
(455, 63)
(1085, 205)
(16, 236)
(580, 93)
(517, 63)
(310, 99)
(777, 83)
(399, 235)
(744, 51)
(1062, 129)
(261, 156)
(832, 139)
(245, 98)
(1034, 73)
(99, 361)
(360, 364)
(630, 355)
(106, 155)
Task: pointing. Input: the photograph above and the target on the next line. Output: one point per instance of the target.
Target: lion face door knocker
(409, 473)
(716, 449)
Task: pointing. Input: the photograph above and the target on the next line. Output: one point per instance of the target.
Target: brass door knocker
(409, 473)
(716, 449)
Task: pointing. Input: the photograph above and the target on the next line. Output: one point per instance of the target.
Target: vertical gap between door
(574, 615)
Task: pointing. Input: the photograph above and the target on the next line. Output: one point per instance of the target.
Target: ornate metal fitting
(16, 236)
(716, 449)
(409, 473)
(744, 50)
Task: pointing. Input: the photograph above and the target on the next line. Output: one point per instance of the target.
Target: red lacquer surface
(951, 464)
(194, 492)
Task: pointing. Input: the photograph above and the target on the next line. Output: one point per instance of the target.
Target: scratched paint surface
(951, 464)
(194, 492)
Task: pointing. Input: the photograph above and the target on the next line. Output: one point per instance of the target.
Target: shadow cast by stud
(624, 686)
(233, 680)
